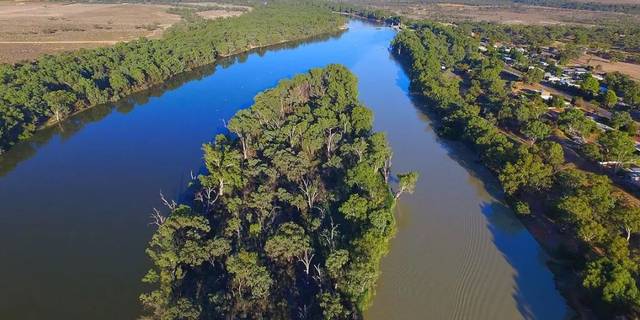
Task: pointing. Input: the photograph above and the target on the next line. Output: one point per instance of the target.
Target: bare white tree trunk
(311, 191)
(306, 260)
(628, 230)
(157, 217)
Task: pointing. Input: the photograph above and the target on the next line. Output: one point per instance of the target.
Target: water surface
(75, 200)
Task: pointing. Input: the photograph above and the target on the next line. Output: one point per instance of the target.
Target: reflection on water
(75, 199)
(460, 253)
(68, 128)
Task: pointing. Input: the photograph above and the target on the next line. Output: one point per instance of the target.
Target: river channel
(75, 200)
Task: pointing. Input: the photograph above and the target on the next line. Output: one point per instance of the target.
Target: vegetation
(363, 11)
(620, 36)
(584, 5)
(291, 218)
(51, 88)
(624, 87)
(476, 108)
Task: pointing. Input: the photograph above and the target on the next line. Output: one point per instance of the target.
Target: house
(545, 95)
(551, 78)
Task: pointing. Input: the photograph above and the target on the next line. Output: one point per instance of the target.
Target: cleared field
(630, 69)
(511, 14)
(214, 14)
(31, 29)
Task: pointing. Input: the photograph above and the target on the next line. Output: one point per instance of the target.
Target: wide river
(75, 200)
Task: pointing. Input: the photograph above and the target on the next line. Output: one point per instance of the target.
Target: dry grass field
(632, 70)
(512, 14)
(217, 13)
(30, 29)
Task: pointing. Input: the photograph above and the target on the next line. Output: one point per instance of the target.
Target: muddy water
(75, 200)
(459, 252)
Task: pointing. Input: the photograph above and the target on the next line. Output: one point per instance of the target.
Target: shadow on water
(509, 235)
(69, 127)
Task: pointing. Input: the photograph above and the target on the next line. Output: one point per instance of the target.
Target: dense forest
(292, 216)
(35, 93)
(513, 139)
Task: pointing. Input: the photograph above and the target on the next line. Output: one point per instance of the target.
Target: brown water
(75, 200)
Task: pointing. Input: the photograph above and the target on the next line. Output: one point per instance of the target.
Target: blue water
(75, 200)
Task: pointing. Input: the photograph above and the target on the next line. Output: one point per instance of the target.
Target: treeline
(364, 12)
(476, 106)
(53, 87)
(292, 217)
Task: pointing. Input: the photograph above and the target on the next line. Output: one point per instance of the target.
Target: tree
(251, 280)
(536, 130)
(528, 109)
(569, 52)
(60, 103)
(224, 167)
(591, 151)
(534, 75)
(556, 102)
(620, 119)
(522, 208)
(332, 307)
(628, 219)
(590, 86)
(527, 172)
(174, 249)
(355, 208)
(574, 122)
(617, 146)
(289, 243)
(552, 154)
(614, 275)
(406, 183)
(609, 99)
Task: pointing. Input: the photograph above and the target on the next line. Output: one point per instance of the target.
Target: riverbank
(452, 257)
(52, 122)
(557, 243)
(54, 87)
(545, 232)
(533, 176)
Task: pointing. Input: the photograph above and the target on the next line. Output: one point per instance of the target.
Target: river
(75, 200)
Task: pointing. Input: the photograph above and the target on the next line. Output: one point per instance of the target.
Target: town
(539, 74)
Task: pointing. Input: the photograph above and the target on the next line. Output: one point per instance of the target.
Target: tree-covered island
(292, 216)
